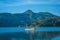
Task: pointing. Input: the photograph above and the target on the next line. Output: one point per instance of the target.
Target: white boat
(29, 29)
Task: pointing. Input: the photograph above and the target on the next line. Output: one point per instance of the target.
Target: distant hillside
(29, 19)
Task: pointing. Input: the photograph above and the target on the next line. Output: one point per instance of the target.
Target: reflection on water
(22, 39)
(56, 38)
(15, 29)
(30, 36)
(42, 33)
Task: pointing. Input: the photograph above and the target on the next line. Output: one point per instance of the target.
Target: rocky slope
(29, 19)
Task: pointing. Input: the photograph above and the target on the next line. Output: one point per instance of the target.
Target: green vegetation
(41, 19)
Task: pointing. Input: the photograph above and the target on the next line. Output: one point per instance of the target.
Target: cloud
(28, 2)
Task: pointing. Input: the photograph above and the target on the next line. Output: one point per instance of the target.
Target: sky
(19, 6)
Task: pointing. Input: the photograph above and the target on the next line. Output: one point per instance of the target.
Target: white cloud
(31, 2)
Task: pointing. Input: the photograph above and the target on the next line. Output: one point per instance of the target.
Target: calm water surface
(38, 29)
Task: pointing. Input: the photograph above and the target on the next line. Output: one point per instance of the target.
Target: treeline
(29, 19)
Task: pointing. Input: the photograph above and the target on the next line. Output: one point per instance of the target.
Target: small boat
(29, 29)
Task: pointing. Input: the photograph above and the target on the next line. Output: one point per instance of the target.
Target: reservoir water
(22, 30)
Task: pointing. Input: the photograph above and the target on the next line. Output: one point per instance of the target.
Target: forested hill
(29, 19)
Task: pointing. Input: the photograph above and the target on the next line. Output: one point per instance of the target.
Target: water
(56, 38)
(11, 29)
(38, 29)
(22, 29)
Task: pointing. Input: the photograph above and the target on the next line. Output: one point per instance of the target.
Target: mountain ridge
(30, 19)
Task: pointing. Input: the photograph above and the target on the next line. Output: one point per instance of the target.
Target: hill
(29, 19)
